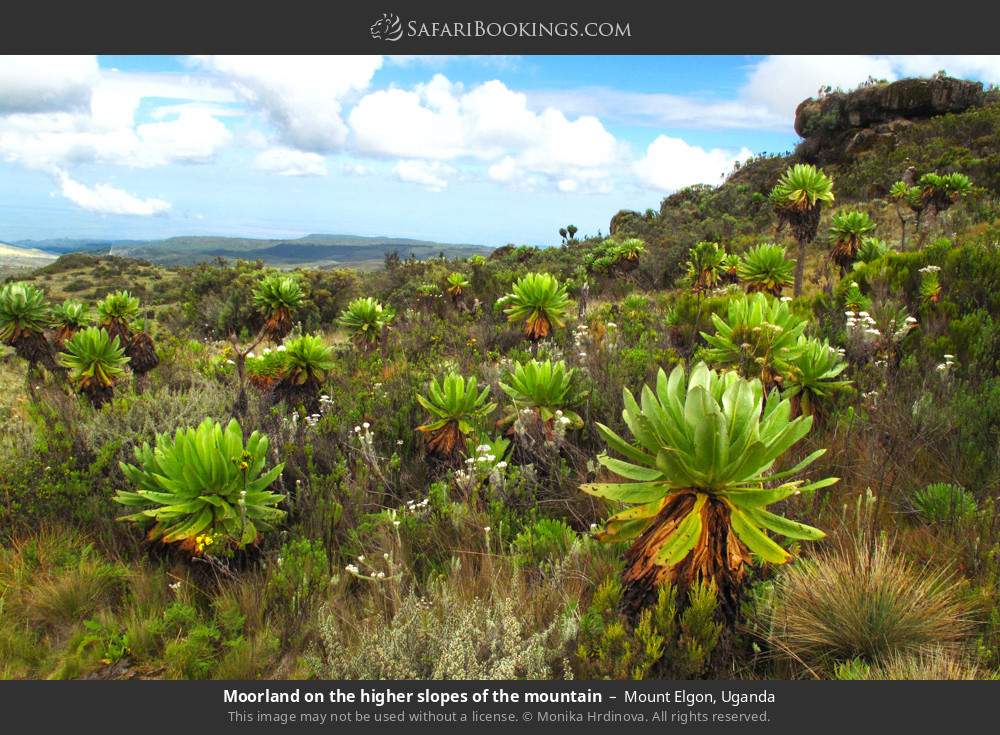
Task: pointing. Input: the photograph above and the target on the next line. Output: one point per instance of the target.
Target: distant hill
(311, 250)
(21, 257)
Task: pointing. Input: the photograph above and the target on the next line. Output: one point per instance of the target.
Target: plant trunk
(718, 556)
(800, 265)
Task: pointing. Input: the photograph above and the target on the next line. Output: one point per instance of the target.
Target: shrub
(203, 488)
(862, 600)
(942, 502)
(496, 635)
(663, 641)
(544, 541)
(871, 249)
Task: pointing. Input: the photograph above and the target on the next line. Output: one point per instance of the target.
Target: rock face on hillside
(840, 123)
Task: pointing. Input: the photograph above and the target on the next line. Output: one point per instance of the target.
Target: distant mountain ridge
(17, 256)
(317, 249)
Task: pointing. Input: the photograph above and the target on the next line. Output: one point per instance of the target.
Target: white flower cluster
(930, 269)
(862, 323)
(367, 571)
(417, 506)
(611, 336)
(944, 368)
(581, 340)
(325, 404)
(364, 434)
(483, 467)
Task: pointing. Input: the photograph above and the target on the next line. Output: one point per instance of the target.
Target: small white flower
(351, 568)
(381, 575)
(365, 425)
(486, 528)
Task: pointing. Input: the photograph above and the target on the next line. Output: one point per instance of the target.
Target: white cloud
(661, 109)
(441, 121)
(106, 131)
(107, 199)
(982, 67)
(356, 169)
(429, 174)
(767, 100)
(671, 164)
(780, 83)
(46, 83)
(290, 162)
(302, 96)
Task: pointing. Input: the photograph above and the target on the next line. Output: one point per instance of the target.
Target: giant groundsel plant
(203, 488)
(699, 475)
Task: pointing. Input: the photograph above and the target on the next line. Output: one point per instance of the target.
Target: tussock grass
(861, 600)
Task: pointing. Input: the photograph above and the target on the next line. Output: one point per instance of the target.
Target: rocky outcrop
(844, 122)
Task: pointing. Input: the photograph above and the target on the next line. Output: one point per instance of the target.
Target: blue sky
(484, 150)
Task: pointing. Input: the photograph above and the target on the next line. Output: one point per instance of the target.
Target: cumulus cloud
(441, 121)
(107, 199)
(46, 83)
(779, 83)
(302, 96)
(105, 132)
(671, 163)
(290, 162)
(429, 174)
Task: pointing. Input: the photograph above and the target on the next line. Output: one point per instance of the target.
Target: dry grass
(861, 600)
(932, 665)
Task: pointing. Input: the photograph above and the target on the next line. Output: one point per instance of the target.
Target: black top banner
(450, 27)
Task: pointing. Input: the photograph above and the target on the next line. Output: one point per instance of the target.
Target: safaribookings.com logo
(390, 28)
